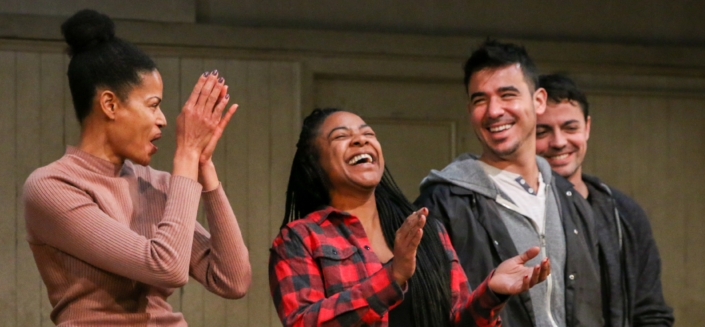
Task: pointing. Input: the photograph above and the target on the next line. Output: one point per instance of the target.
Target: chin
(143, 161)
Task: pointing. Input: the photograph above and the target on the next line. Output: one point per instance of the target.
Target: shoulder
(46, 179)
(305, 232)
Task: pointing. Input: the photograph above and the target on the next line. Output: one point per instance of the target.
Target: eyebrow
(507, 88)
(570, 122)
(158, 98)
(345, 128)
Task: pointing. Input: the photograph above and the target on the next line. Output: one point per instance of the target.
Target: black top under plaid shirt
(323, 272)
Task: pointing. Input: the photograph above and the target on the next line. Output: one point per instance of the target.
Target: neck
(521, 162)
(360, 204)
(577, 180)
(94, 141)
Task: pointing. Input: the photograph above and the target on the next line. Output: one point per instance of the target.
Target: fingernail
(206, 74)
(227, 96)
(215, 72)
(221, 80)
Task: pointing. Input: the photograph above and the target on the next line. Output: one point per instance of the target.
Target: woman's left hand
(512, 277)
(207, 153)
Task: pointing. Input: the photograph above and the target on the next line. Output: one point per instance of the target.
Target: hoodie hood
(467, 173)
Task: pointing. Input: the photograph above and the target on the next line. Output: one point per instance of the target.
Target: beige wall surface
(648, 108)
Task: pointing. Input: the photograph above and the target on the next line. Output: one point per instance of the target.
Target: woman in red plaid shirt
(352, 251)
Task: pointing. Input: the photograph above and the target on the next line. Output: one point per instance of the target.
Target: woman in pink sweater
(112, 237)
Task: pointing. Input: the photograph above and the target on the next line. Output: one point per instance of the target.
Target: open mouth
(360, 159)
(497, 129)
(154, 139)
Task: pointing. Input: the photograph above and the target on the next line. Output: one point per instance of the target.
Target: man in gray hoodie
(507, 200)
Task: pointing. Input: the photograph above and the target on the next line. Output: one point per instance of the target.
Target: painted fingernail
(221, 80)
(215, 72)
(227, 96)
(206, 74)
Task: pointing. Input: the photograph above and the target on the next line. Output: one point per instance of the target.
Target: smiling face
(503, 110)
(561, 137)
(137, 121)
(349, 153)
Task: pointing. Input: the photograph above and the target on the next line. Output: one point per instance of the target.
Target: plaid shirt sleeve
(480, 307)
(298, 288)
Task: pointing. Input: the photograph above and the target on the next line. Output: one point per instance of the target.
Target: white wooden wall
(253, 161)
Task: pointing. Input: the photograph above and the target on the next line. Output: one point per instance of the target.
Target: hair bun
(86, 29)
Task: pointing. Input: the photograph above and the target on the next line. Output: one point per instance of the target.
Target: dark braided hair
(429, 287)
(100, 59)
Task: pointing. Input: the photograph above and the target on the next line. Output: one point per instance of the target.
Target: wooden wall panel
(28, 157)
(253, 159)
(236, 140)
(8, 190)
(258, 165)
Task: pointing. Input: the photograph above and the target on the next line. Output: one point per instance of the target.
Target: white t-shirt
(527, 201)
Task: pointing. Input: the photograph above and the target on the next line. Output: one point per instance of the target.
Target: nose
(359, 139)
(161, 119)
(494, 108)
(558, 140)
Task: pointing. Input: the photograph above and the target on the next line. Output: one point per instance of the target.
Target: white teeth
(360, 158)
(500, 128)
(559, 157)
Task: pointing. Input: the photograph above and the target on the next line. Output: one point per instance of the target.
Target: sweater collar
(93, 163)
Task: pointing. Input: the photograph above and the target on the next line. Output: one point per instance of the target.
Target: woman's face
(349, 153)
(138, 121)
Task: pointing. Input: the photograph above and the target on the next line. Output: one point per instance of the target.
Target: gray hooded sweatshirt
(547, 298)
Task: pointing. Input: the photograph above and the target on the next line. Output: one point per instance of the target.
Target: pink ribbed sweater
(113, 241)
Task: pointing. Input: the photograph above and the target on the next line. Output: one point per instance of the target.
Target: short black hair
(560, 88)
(494, 54)
(100, 59)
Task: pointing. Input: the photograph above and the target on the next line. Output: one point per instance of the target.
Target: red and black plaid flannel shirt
(322, 272)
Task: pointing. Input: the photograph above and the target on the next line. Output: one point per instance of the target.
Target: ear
(587, 128)
(540, 98)
(108, 102)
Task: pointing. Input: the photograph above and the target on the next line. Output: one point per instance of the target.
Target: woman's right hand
(197, 122)
(406, 241)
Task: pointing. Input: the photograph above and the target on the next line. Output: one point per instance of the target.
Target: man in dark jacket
(507, 199)
(629, 260)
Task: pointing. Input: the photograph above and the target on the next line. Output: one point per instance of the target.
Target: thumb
(529, 254)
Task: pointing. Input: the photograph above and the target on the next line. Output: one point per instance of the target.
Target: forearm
(221, 262)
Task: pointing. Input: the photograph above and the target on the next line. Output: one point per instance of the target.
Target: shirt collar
(321, 215)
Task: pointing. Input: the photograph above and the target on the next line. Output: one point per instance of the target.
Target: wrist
(186, 163)
(207, 176)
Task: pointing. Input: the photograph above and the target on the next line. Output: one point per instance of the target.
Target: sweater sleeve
(61, 215)
(219, 259)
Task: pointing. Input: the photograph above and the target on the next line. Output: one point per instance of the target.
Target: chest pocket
(340, 267)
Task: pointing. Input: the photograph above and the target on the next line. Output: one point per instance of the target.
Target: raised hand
(198, 121)
(406, 242)
(207, 153)
(512, 277)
